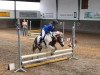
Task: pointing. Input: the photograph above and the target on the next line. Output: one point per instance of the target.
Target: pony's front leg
(54, 48)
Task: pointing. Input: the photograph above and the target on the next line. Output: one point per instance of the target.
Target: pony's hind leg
(34, 48)
(40, 48)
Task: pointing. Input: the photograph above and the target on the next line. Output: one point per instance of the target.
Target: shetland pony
(50, 41)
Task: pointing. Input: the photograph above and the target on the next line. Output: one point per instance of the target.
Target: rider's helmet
(55, 22)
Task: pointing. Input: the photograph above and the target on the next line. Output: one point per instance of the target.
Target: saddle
(42, 39)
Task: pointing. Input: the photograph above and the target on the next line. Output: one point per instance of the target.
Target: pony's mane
(57, 33)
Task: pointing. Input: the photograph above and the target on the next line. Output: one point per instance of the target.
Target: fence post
(20, 69)
(73, 42)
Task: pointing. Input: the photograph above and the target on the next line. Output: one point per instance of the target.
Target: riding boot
(40, 41)
(45, 43)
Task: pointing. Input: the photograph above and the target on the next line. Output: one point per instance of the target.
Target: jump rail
(43, 54)
(45, 58)
(45, 62)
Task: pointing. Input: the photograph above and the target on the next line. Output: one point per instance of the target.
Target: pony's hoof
(32, 58)
(52, 53)
(69, 46)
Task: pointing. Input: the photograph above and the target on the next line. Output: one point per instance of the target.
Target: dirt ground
(87, 51)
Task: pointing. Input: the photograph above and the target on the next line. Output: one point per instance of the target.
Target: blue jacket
(48, 28)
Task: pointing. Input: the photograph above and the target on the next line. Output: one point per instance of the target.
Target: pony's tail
(34, 45)
(33, 48)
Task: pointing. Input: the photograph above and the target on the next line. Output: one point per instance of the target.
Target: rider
(47, 29)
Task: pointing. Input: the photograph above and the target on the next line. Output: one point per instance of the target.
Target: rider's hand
(50, 32)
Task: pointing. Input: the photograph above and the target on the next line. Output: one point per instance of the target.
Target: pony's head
(59, 37)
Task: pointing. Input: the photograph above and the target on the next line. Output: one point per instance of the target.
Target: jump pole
(20, 69)
(30, 26)
(65, 52)
(45, 58)
(73, 42)
(45, 62)
(63, 23)
(56, 54)
(45, 53)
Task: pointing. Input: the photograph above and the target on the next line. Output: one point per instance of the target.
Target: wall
(9, 11)
(9, 22)
(85, 26)
(66, 9)
(93, 8)
(26, 14)
(28, 10)
(48, 9)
